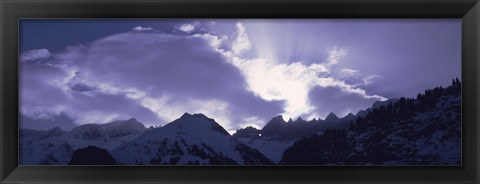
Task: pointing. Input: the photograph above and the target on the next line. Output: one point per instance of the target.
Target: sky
(240, 72)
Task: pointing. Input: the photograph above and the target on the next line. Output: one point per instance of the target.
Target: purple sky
(239, 72)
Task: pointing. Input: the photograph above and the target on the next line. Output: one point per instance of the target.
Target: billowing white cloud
(293, 82)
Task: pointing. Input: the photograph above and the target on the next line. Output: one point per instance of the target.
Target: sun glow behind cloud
(90, 73)
(239, 72)
(292, 81)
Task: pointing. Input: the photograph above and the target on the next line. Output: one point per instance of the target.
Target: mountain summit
(190, 139)
(331, 118)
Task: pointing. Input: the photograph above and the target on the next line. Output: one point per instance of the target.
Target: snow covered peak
(124, 125)
(132, 120)
(194, 123)
(199, 116)
(188, 139)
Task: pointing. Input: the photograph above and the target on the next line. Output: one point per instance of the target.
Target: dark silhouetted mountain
(248, 132)
(277, 135)
(377, 104)
(332, 118)
(421, 131)
(191, 139)
(278, 129)
(349, 117)
(300, 121)
(91, 155)
(274, 126)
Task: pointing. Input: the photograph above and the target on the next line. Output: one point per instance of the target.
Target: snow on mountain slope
(421, 131)
(41, 147)
(107, 136)
(191, 139)
(272, 149)
(277, 135)
(56, 146)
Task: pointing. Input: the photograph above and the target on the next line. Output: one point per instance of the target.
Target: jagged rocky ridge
(420, 131)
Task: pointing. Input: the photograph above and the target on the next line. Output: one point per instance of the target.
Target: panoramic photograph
(248, 92)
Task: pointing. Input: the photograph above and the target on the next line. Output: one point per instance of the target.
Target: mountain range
(425, 130)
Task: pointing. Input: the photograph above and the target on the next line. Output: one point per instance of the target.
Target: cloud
(319, 68)
(214, 41)
(76, 84)
(242, 43)
(334, 99)
(44, 123)
(47, 92)
(348, 73)
(370, 79)
(280, 82)
(154, 77)
(186, 28)
(294, 82)
(34, 55)
(140, 28)
(335, 54)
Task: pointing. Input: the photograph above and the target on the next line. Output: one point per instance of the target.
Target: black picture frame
(13, 10)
